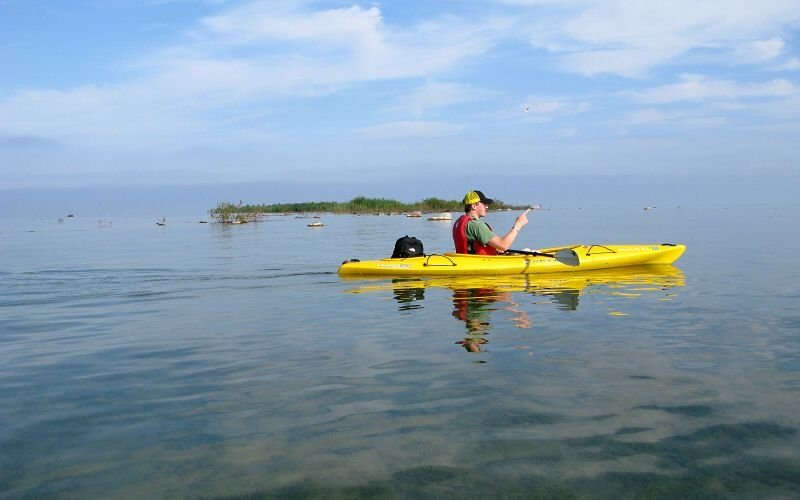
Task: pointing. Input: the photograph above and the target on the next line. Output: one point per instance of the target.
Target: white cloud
(701, 102)
(700, 88)
(764, 50)
(128, 115)
(630, 38)
(257, 52)
(352, 27)
(793, 64)
(411, 129)
(442, 94)
(778, 110)
(629, 62)
(345, 45)
(260, 77)
(653, 116)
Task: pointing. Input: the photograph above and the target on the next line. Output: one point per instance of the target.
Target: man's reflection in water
(475, 299)
(474, 306)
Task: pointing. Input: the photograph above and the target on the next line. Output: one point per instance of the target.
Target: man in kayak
(472, 235)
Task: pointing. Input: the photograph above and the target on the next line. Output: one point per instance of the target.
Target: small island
(232, 213)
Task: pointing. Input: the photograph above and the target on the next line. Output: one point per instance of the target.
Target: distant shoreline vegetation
(231, 212)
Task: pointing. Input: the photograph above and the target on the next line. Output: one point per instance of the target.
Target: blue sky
(189, 92)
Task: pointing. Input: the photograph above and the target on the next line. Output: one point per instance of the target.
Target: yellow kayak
(550, 260)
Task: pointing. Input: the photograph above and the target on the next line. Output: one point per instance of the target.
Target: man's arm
(501, 244)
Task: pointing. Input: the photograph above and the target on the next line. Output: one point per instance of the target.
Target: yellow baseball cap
(475, 197)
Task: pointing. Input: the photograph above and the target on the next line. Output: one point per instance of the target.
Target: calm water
(201, 360)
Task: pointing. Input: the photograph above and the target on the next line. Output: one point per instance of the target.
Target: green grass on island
(232, 212)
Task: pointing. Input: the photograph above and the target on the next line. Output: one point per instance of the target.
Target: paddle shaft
(535, 254)
(565, 255)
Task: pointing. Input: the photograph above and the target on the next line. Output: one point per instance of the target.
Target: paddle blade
(567, 256)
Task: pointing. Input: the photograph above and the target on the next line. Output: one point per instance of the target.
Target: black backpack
(407, 246)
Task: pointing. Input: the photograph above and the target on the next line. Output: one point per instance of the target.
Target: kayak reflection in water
(409, 298)
(474, 306)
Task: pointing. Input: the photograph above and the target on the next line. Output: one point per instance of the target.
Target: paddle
(565, 255)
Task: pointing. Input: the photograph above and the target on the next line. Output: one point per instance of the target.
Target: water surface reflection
(477, 299)
(474, 306)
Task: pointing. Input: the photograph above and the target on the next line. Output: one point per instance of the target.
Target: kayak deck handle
(607, 250)
(449, 262)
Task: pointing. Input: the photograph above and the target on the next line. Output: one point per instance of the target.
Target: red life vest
(465, 246)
